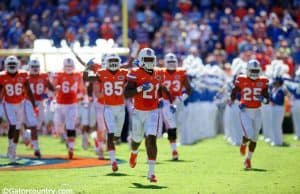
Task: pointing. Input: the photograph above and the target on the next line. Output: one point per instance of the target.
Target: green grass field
(210, 166)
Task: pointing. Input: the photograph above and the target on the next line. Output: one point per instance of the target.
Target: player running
(253, 90)
(175, 80)
(144, 85)
(68, 84)
(112, 81)
(34, 119)
(14, 86)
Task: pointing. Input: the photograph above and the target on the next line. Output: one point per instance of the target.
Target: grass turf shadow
(256, 170)
(142, 186)
(116, 174)
(179, 161)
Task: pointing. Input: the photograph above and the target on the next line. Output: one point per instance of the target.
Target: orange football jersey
(146, 100)
(251, 89)
(38, 85)
(69, 86)
(173, 81)
(112, 86)
(13, 86)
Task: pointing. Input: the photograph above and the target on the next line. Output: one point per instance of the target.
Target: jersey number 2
(251, 94)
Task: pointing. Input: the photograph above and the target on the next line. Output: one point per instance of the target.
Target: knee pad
(172, 135)
(71, 133)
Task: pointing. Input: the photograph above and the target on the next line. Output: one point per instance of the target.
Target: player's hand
(136, 62)
(144, 87)
(184, 96)
(44, 95)
(242, 106)
(173, 108)
(160, 103)
(262, 99)
(90, 63)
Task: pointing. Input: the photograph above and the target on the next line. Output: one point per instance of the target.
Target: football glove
(173, 108)
(242, 106)
(160, 103)
(144, 87)
(136, 62)
(262, 99)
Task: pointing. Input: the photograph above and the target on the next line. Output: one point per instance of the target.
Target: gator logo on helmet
(148, 52)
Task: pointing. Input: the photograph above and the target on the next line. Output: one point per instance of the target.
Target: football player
(68, 84)
(112, 81)
(175, 80)
(99, 141)
(144, 85)
(15, 86)
(34, 119)
(253, 90)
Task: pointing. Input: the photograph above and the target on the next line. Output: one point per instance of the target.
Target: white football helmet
(147, 59)
(171, 62)
(34, 66)
(11, 64)
(69, 66)
(253, 69)
(113, 62)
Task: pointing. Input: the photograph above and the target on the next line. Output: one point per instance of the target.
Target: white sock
(173, 146)
(10, 141)
(249, 155)
(35, 145)
(112, 156)
(134, 151)
(14, 145)
(151, 167)
(71, 144)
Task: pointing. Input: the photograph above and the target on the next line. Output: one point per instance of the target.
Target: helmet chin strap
(148, 70)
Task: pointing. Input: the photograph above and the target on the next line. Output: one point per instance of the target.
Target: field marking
(25, 162)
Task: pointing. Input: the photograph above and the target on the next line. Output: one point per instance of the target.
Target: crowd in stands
(218, 29)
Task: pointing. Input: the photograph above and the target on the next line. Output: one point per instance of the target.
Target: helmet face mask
(113, 62)
(170, 61)
(34, 66)
(68, 66)
(147, 59)
(253, 69)
(11, 64)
